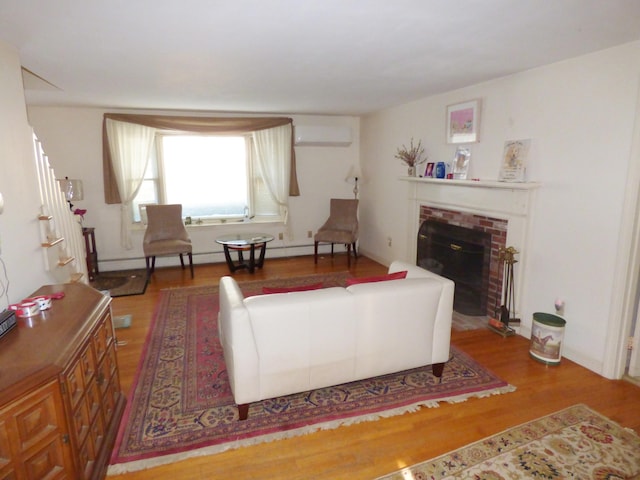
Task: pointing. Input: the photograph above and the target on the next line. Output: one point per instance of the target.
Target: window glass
(149, 190)
(210, 175)
(206, 174)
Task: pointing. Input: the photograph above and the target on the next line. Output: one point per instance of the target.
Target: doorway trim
(625, 288)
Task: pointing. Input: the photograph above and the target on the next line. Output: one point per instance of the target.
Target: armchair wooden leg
(315, 252)
(349, 255)
(332, 249)
(181, 260)
(437, 369)
(243, 411)
(148, 263)
(191, 263)
(355, 252)
(151, 264)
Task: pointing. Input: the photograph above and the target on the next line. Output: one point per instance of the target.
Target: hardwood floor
(370, 449)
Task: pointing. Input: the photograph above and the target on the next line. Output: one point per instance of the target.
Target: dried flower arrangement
(411, 156)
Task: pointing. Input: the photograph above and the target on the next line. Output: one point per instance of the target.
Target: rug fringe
(120, 468)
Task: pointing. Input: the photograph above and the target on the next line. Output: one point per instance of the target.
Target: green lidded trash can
(547, 334)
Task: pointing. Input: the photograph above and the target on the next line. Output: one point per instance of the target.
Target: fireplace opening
(462, 255)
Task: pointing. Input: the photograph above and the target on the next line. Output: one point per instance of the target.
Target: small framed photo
(461, 163)
(428, 172)
(463, 122)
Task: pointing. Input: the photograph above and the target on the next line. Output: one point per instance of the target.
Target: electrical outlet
(389, 241)
(309, 234)
(281, 236)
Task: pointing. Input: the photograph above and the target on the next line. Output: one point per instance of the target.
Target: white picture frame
(514, 161)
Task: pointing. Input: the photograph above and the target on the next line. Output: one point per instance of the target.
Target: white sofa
(284, 343)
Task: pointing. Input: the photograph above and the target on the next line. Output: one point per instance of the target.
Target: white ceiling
(293, 56)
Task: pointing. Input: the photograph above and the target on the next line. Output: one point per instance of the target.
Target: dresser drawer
(33, 437)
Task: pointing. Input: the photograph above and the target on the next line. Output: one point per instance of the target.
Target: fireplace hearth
(462, 255)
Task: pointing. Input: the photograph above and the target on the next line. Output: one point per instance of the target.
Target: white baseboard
(206, 258)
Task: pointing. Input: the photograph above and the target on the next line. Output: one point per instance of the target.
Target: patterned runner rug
(573, 443)
(181, 404)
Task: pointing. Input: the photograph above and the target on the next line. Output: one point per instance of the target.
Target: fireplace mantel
(501, 199)
(474, 183)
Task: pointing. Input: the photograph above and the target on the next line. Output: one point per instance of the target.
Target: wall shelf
(76, 277)
(65, 261)
(52, 242)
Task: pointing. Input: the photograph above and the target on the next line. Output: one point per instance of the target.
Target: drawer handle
(455, 247)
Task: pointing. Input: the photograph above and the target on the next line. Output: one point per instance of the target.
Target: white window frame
(160, 185)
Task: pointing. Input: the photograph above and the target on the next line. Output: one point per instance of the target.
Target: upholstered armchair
(165, 235)
(340, 227)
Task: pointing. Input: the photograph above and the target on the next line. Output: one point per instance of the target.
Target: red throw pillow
(378, 278)
(301, 288)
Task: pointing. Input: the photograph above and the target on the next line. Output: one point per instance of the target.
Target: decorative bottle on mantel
(411, 171)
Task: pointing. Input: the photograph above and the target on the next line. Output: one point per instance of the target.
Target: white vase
(411, 171)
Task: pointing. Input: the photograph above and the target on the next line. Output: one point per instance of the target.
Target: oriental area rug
(181, 406)
(574, 443)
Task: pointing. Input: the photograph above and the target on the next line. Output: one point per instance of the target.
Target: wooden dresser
(60, 397)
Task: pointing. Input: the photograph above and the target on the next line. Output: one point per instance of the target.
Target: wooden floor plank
(371, 449)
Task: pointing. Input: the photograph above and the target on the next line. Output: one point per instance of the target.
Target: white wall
(580, 115)
(72, 139)
(23, 270)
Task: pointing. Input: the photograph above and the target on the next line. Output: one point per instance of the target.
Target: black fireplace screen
(462, 255)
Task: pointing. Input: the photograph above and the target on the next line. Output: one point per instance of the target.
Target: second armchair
(340, 227)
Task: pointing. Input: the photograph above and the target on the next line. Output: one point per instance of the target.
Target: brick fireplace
(495, 227)
(502, 209)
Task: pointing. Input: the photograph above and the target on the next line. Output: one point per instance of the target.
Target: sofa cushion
(378, 278)
(394, 316)
(299, 288)
(304, 340)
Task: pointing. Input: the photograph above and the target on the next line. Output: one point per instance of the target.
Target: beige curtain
(231, 125)
(130, 147)
(272, 143)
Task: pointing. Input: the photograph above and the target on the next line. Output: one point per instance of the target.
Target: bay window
(216, 168)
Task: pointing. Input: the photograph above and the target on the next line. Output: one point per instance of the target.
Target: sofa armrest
(442, 326)
(413, 271)
(238, 342)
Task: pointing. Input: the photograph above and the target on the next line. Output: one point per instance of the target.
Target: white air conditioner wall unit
(322, 136)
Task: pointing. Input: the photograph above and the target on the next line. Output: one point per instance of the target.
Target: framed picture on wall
(463, 122)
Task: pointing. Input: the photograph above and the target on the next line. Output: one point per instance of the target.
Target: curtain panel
(273, 143)
(230, 125)
(130, 146)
